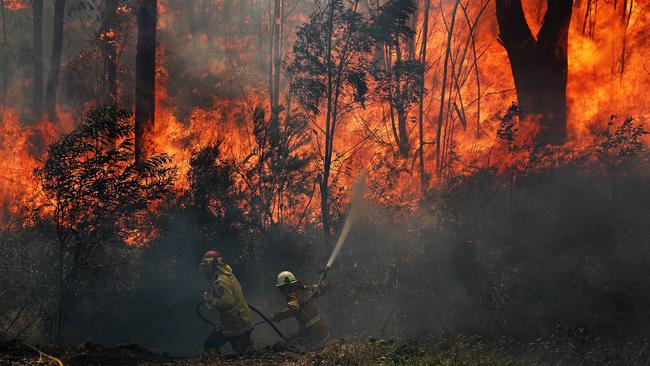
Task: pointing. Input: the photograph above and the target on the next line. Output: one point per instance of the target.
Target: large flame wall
(609, 72)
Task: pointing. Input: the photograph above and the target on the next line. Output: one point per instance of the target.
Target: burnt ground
(460, 351)
(19, 353)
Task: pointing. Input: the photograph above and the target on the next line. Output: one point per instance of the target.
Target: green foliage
(91, 181)
(622, 142)
(216, 203)
(398, 76)
(326, 55)
(213, 191)
(281, 173)
(390, 24)
(401, 92)
(95, 195)
(234, 199)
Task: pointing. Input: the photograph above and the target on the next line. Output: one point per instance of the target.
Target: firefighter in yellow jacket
(225, 294)
(301, 305)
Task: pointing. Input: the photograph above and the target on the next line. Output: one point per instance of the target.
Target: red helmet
(210, 257)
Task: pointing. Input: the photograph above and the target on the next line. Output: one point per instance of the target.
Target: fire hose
(266, 320)
(261, 314)
(357, 196)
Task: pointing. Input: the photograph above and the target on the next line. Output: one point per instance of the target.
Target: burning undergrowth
(542, 245)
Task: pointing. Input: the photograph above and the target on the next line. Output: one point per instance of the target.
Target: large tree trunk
(37, 57)
(145, 71)
(108, 37)
(55, 62)
(539, 66)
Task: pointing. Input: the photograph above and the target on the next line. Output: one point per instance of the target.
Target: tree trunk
(539, 66)
(276, 46)
(37, 57)
(423, 60)
(271, 53)
(413, 23)
(277, 31)
(55, 62)
(145, 72)
(327, 158)
(403, 142)
(108, 37)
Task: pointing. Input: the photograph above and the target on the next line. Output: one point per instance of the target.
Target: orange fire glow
(17, 4)
(604, 78)
(22, 148)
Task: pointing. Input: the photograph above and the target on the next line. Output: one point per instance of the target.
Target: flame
(107, 36)
(22, 148)
(594, 93)
(17, 4)
(609, 72)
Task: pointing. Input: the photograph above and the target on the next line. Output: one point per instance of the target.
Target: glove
(323, 272)
(275, 317)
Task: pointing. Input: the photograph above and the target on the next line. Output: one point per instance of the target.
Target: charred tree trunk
(108, 36)
(275, 49)
(423, 60)
(539, 65)
(37, 56)
(145, 72)
(413, 23)
(275, 66)
(55, 62)
(403, 141)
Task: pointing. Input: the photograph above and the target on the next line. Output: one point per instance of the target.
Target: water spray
(358, 189)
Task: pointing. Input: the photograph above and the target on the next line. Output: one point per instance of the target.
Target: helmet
(211, 257)
(286, 278)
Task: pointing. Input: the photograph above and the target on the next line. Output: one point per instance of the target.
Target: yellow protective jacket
(226, 295)
(301, 305)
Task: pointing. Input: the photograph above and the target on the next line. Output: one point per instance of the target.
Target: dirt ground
(19, 353)
(460, 351)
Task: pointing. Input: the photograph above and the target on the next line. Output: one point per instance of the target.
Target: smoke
(558, 249)
(553, 249)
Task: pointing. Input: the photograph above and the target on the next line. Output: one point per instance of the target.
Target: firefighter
(312, 331)
(225, 294)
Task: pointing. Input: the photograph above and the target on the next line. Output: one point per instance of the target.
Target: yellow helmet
(285, 278)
